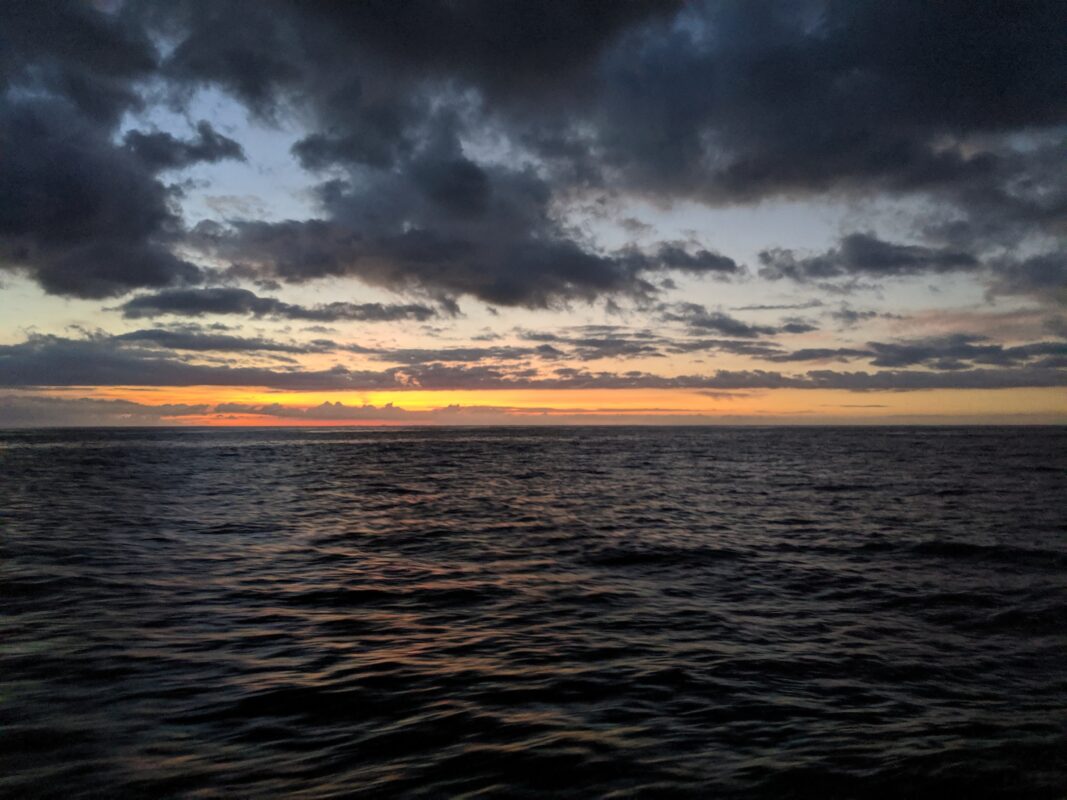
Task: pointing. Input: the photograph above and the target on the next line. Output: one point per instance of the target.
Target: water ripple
(532, 613)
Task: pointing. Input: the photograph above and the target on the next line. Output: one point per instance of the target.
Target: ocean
(551, 612)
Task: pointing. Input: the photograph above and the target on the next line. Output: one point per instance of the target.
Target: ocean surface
(575, 612)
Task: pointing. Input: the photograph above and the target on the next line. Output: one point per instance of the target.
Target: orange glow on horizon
(480, 406)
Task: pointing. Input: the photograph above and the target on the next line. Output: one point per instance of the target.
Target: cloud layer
(449, 142)
(159, 357)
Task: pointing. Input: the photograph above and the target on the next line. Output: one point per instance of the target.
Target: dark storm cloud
(733, 101)
(868, 99)
(160, 150)
(1023, 195)
(505, 48)
(73, 51)
(80, 214)
(441, 224)
(232, 300)
(864, 255)
(387, 88)
(702, 261)
(454, 138)
(1042, 277)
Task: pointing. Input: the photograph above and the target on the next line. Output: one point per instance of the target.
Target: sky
(508, 212)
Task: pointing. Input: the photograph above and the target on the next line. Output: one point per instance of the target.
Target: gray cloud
(675, 256)
(327, 411)
(698, 318)
(208, 341)
(864, 255)
(160, 150)
(467, 355)
(232, 300)
(851, 317)
(953, 352)
(55, 361)
(35, 411)
(782, 307)
(820, 354)
(743, 347)
(1042, 277)
(959, 351)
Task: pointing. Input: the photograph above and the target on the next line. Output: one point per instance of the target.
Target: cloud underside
(449, 144)
(219, 301)
(146, 358)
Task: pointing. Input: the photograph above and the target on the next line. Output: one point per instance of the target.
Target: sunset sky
(275, 213)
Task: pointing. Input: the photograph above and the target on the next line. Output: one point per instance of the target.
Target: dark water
(574, 612)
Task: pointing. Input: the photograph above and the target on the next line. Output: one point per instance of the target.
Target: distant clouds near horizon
(733, 206)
